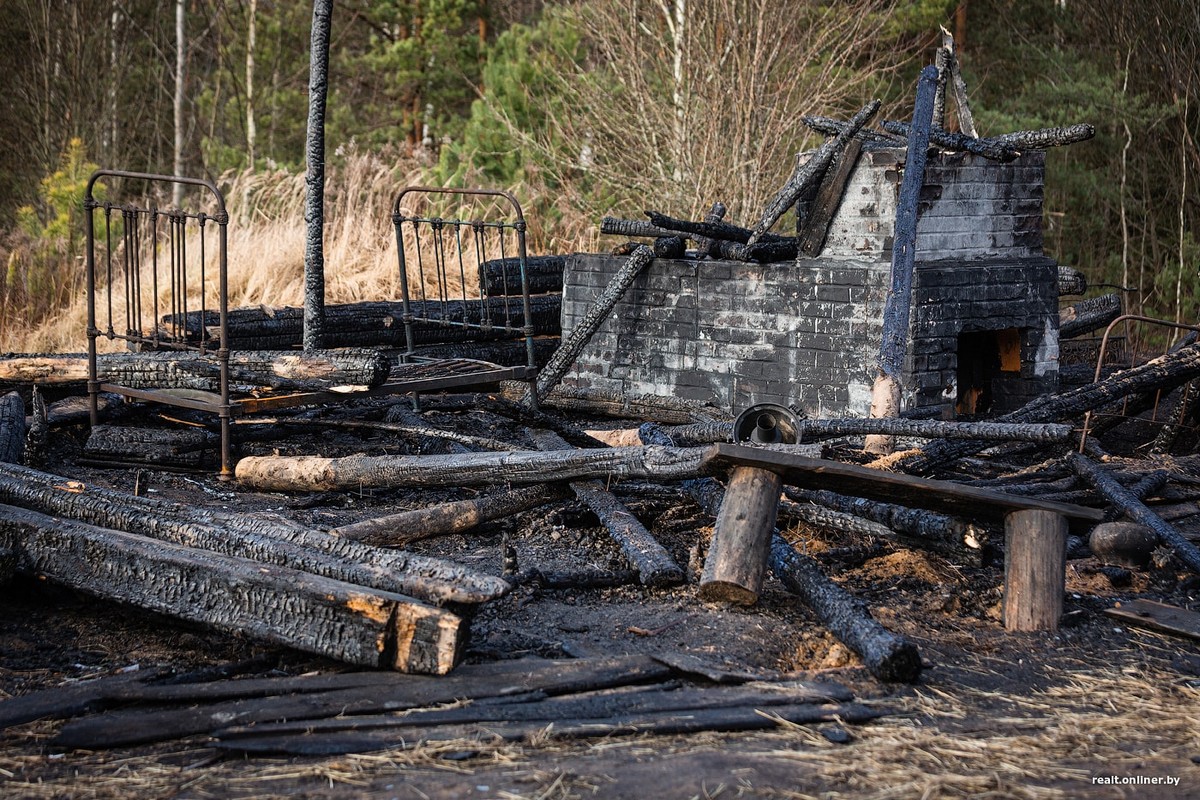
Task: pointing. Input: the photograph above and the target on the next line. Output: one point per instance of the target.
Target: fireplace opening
(984, 357)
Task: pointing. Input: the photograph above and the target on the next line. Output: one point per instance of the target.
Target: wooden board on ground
(1158, 617)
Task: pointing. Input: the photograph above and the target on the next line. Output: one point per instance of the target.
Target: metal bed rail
(142, 250)
(444, 264)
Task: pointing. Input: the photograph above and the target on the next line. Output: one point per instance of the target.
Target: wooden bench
(1035, 530)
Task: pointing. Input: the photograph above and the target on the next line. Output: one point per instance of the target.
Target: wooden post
(897, 309)
(737, 559)
(1034, 569)
(314, 203)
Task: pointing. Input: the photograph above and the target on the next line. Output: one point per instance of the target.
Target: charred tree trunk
(651, 560)
(296, 609)
(314, 179)
(809, 173)
(762, 252)
(12, 428)
(888, 657)
(897, 309)
(1136, 510)
(1088, 315)
(459, 516)
(1164, 372)
(573, 345)
(270, 541)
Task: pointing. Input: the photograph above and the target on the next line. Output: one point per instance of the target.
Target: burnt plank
(276, 604)
(829, 198)
(591, 705)
(1158, 617)
(130, 727)
(741, 718)
(851, 479)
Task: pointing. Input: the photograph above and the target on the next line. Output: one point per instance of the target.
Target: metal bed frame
(151, 248)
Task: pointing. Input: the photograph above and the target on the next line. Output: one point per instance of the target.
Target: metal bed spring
(450, 256)
(130, 233)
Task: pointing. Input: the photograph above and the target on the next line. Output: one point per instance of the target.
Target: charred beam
(459, 516)
(809, 173)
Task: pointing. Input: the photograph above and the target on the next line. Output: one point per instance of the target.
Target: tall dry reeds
(266, 246)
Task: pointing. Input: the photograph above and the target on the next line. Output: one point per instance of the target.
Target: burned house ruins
(806, 333)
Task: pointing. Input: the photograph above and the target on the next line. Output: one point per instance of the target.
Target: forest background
(581, 109)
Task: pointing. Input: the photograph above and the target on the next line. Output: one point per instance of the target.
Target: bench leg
(1034, 570)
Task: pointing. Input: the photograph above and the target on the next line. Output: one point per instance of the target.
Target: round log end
(1126, 544)
(725, 592)
(897, 662)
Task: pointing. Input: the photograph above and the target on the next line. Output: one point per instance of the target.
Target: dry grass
(267, 242)
(939, 741)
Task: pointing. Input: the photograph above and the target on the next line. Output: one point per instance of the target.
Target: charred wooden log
(809, 173)
(669, 410)
(458, 516)
(1088, 315)
(722, 231)
(1136, 510)
(950, 140)
(512, 353)
(829, 197)
(653, 563)
(164, 447)
(636, 228)
(1179, 407)
(573, 345)
(888, 656)
(669, 247)
(375, 324)
(315, 473)
(71, 410)
(12, 428)
(762, 252)
(1164, 372)
(289, 607)
(1046, 137)
(1071, 281)
(897, 309)
(914, 527)
(827, 126)
(1149, 484)
(191, 370)
(270, 541)
(715, 214)
(502, 276)
(38, 438)
(834, 522)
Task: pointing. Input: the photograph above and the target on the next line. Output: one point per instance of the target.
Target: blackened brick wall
(808, 333)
